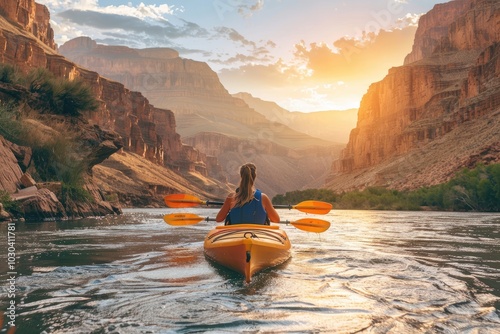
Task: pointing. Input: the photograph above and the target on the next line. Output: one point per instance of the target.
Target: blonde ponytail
(244, 193)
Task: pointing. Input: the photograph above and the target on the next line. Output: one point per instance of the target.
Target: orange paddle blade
(182, 201)
(316, 207)
(311, 225)
(182, 219)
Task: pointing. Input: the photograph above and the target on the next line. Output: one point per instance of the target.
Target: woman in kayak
(247, 205)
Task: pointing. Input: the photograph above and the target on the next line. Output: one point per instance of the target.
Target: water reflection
(381, 272)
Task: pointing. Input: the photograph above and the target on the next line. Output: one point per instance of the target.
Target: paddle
(305, 224)
(188, 201)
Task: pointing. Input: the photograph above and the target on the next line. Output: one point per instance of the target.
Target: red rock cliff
(449, 85)
(32, 17)
(207, 116)
(125, 111)
(26, 40)
(110, 60)
(183, 85)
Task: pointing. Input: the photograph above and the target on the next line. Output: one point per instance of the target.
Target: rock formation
(280, 168)
(413, 125)
(146, 130)
(4, 215)
(32, 17)
(205, 113)
(123, 119)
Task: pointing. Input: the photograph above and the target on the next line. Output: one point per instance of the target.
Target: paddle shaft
(211, 219)
(276, 206)
(305, 224)
(187, 201)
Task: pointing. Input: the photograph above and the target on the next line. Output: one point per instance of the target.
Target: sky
(306, 56)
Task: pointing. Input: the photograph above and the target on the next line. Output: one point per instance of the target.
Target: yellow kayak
(247, 248)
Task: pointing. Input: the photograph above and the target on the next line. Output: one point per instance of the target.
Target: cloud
(248, 10)
(153, 25)
(319, 71)
(239, 59)
(353, 59)
(110, 21)
(409, 20)
(233, 35)
(141, 11)
(313, 72)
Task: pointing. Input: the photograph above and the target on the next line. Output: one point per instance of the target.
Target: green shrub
(11, 127)
(56, 156)
(61, 96)
(8, 74)
(9, 204)
(470, 190)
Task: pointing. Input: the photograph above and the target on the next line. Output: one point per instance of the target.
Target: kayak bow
(247, 248)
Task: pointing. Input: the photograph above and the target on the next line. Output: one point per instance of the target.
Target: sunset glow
(312, 56)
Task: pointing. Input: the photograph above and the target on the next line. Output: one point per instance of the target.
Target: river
(371, 272)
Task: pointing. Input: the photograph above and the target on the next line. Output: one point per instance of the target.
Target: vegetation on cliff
(53, 95)
(470, 190)
(9, 204)
(54, 151)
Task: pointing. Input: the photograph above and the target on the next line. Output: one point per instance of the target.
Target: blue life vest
(250, 213)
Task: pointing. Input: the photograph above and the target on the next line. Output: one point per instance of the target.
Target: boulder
(4, 215)
(42, 205)
(10, 173)
(27, 181)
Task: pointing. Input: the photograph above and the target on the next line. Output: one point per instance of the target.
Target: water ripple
(372, 272)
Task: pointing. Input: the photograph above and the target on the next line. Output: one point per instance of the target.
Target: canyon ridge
(234, 129)
(436, 114)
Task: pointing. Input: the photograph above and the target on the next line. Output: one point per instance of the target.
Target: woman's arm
(271, 211)
(224, 210)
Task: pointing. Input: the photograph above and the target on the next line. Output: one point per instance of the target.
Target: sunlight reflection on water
(381, 272)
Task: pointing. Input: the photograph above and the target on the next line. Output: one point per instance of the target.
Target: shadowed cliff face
(26, 40)
(208, 118)
(424, 120)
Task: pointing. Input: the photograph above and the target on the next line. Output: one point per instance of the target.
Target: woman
(247, 205)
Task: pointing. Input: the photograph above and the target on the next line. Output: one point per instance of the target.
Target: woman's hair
(244, 193)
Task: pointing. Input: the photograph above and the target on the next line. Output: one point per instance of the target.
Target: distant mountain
(438, 113)
(331, 125)
(208, 118)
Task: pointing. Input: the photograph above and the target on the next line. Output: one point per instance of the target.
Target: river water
(371, 272)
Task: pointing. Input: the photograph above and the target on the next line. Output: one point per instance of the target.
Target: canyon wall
(448, 89)
(26, 41)
(280, 168)
(125, 111)
(208, 118)
(32, 17)
(185, 86)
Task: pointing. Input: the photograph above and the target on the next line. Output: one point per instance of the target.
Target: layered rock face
(206, 114)
(185, 86)
(280, 168)
(26, 40)
(32, 17)
(127, 112)
(89, 146)
(10, 174)
(449, 85)
(147, 130)
(456, 26)
(189, 88)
